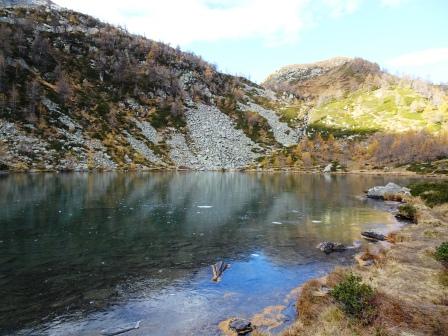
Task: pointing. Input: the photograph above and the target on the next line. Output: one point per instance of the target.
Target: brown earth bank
(405, 288)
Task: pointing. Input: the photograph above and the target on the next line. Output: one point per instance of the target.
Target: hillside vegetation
(79, 94)
(391, 109)
(367, 119)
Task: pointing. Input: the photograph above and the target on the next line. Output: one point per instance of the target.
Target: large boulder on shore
(390, 190)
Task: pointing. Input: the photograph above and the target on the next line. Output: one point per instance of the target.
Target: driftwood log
(373, 236)
(121, 330)
(218, 269)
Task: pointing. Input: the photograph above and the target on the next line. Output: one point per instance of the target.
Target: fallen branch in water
(218, 269)
(121, 330)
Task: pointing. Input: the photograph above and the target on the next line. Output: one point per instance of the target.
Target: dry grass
(308, 304)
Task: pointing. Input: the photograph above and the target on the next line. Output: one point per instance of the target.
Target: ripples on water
(84, 252)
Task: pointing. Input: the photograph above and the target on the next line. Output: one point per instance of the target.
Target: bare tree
(63, 88)
(3, 102)
(177, 108)
(13, 98)
(39, 50)
(33, 92)
(2, 65)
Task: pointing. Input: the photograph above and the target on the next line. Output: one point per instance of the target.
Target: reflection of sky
(247, 287)
(80, 233)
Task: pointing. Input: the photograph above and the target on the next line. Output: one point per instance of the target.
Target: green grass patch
(433, 193)
(407, 211)
(441, 253)
(437, 167)
(390, 109)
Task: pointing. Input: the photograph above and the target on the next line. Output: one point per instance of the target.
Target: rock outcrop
(389, 191)
(284, 134)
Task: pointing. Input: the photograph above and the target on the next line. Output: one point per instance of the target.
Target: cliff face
(78, 94)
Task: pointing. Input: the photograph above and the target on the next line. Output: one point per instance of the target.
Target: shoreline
(402, 173)
(411, 287)
(269, 321)
(403, 274)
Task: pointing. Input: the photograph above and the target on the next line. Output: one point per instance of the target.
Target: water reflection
(77, 243)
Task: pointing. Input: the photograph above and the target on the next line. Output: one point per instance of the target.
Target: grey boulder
(379, 192)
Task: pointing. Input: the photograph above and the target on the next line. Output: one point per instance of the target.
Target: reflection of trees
(112, 227)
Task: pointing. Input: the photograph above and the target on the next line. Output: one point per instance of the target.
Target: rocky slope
(78, 94)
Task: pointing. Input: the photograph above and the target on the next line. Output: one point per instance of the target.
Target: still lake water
(84, 252)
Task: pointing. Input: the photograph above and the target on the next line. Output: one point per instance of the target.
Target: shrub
(442, 253)
(433, 193)
(103, 109)
(408, 212)
(355, 298)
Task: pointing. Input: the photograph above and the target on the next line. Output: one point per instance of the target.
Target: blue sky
(255, 37)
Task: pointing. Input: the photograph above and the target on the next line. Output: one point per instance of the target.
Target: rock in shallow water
(329, 247)
(242, 327)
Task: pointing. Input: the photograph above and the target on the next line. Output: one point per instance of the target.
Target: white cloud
(185, 21)
(342, 7)
(420, 58)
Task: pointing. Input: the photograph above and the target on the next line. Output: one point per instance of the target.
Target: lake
(83, 252)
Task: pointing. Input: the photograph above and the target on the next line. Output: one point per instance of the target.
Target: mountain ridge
(80, 94)
(332, 77)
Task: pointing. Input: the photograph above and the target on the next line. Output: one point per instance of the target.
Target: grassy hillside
(395, 109)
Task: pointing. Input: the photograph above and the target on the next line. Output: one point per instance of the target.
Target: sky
(254, 38)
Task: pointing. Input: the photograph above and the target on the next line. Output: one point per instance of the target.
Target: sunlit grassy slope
(395, 109)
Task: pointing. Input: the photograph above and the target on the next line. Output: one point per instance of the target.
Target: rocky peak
(28, 3)
(298, 72)
(339, 74)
